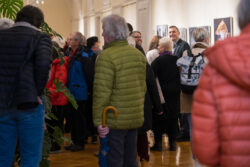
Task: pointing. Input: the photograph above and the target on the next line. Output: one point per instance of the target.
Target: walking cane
(104, 114)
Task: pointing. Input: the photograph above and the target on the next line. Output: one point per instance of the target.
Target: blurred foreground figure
(221, 108)
(25, 58)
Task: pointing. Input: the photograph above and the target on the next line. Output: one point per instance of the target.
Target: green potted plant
(9, 9)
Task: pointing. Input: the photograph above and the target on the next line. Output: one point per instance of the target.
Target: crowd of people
(199, 94)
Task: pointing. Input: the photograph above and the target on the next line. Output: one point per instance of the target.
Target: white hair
(81, 38)
(167, 43)
(115, 27)
(5, 23)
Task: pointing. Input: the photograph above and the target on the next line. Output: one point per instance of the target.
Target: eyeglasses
(71, 39)
(137, 36)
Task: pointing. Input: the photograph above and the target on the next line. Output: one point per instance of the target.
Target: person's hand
(160, 113)
(102, 131)
(39, 100)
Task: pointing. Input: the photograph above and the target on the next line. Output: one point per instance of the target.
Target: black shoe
(172, 145)
(68, 147)
(157, 147)
(182, 137)
(75, 148)
(55, 149)
(94, 139)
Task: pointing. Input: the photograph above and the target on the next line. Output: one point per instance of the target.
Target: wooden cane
(104, 114)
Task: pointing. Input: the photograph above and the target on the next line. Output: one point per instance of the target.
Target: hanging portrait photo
(183, 33)
(162, 30)
(223, 28)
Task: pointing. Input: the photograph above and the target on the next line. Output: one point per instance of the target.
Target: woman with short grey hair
(221, 110)
(201, 37)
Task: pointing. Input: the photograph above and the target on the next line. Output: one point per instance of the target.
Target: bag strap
(191, 66)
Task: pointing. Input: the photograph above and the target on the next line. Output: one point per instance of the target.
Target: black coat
(165, 69)
(25, 58)
(180, 47)
(152, 101)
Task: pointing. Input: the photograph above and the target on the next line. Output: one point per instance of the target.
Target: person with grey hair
(138, 41)
(221, 110)
(120, 81)
(80, 83)
(5, 23)
(201, 37)
(165, 69)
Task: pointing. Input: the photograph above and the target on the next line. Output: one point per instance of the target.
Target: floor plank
(182, 157)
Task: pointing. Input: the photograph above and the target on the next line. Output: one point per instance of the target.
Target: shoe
(68, 147)
(182, 137)
(172, 145)
(76, 148)
(56, 151)
(157, 147)
(55, 148)
(94, 139)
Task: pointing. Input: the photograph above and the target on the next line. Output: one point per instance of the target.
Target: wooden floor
(180, 158)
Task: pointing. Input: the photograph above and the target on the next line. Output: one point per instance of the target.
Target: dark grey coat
(25, 58)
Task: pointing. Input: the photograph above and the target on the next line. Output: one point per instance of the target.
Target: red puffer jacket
(221, 108)
(59, 72)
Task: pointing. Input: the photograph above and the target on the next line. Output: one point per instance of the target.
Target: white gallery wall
(193, 13)
(85, 15)
(129, 13)
(182, 13)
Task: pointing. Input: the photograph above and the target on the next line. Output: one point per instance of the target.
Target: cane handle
(104, 114)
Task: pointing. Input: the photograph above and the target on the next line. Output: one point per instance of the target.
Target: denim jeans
(26, 127)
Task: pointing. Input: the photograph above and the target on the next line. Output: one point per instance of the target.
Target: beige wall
(63, 17)
(57, 15)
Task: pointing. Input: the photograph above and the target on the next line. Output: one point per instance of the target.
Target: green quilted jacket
(120, 81)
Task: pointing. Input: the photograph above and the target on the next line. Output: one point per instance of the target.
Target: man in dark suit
(179, 47)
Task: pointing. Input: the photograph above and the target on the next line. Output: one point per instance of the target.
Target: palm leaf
(61, 88)
(9, 8)
(48, 30)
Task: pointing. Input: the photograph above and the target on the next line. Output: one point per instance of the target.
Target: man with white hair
(120, 81)
(80, 82)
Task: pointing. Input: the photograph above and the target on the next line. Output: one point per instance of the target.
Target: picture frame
(223, 28)
(183, 34)
(162, 30)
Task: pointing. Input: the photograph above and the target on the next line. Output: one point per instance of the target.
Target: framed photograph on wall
(223, 28)
(191, 38)
(162, 30)
(183, 33)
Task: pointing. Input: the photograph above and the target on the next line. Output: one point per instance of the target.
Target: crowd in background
(155, 90)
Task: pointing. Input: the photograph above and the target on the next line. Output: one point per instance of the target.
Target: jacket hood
(231, 58)
(199, 47)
